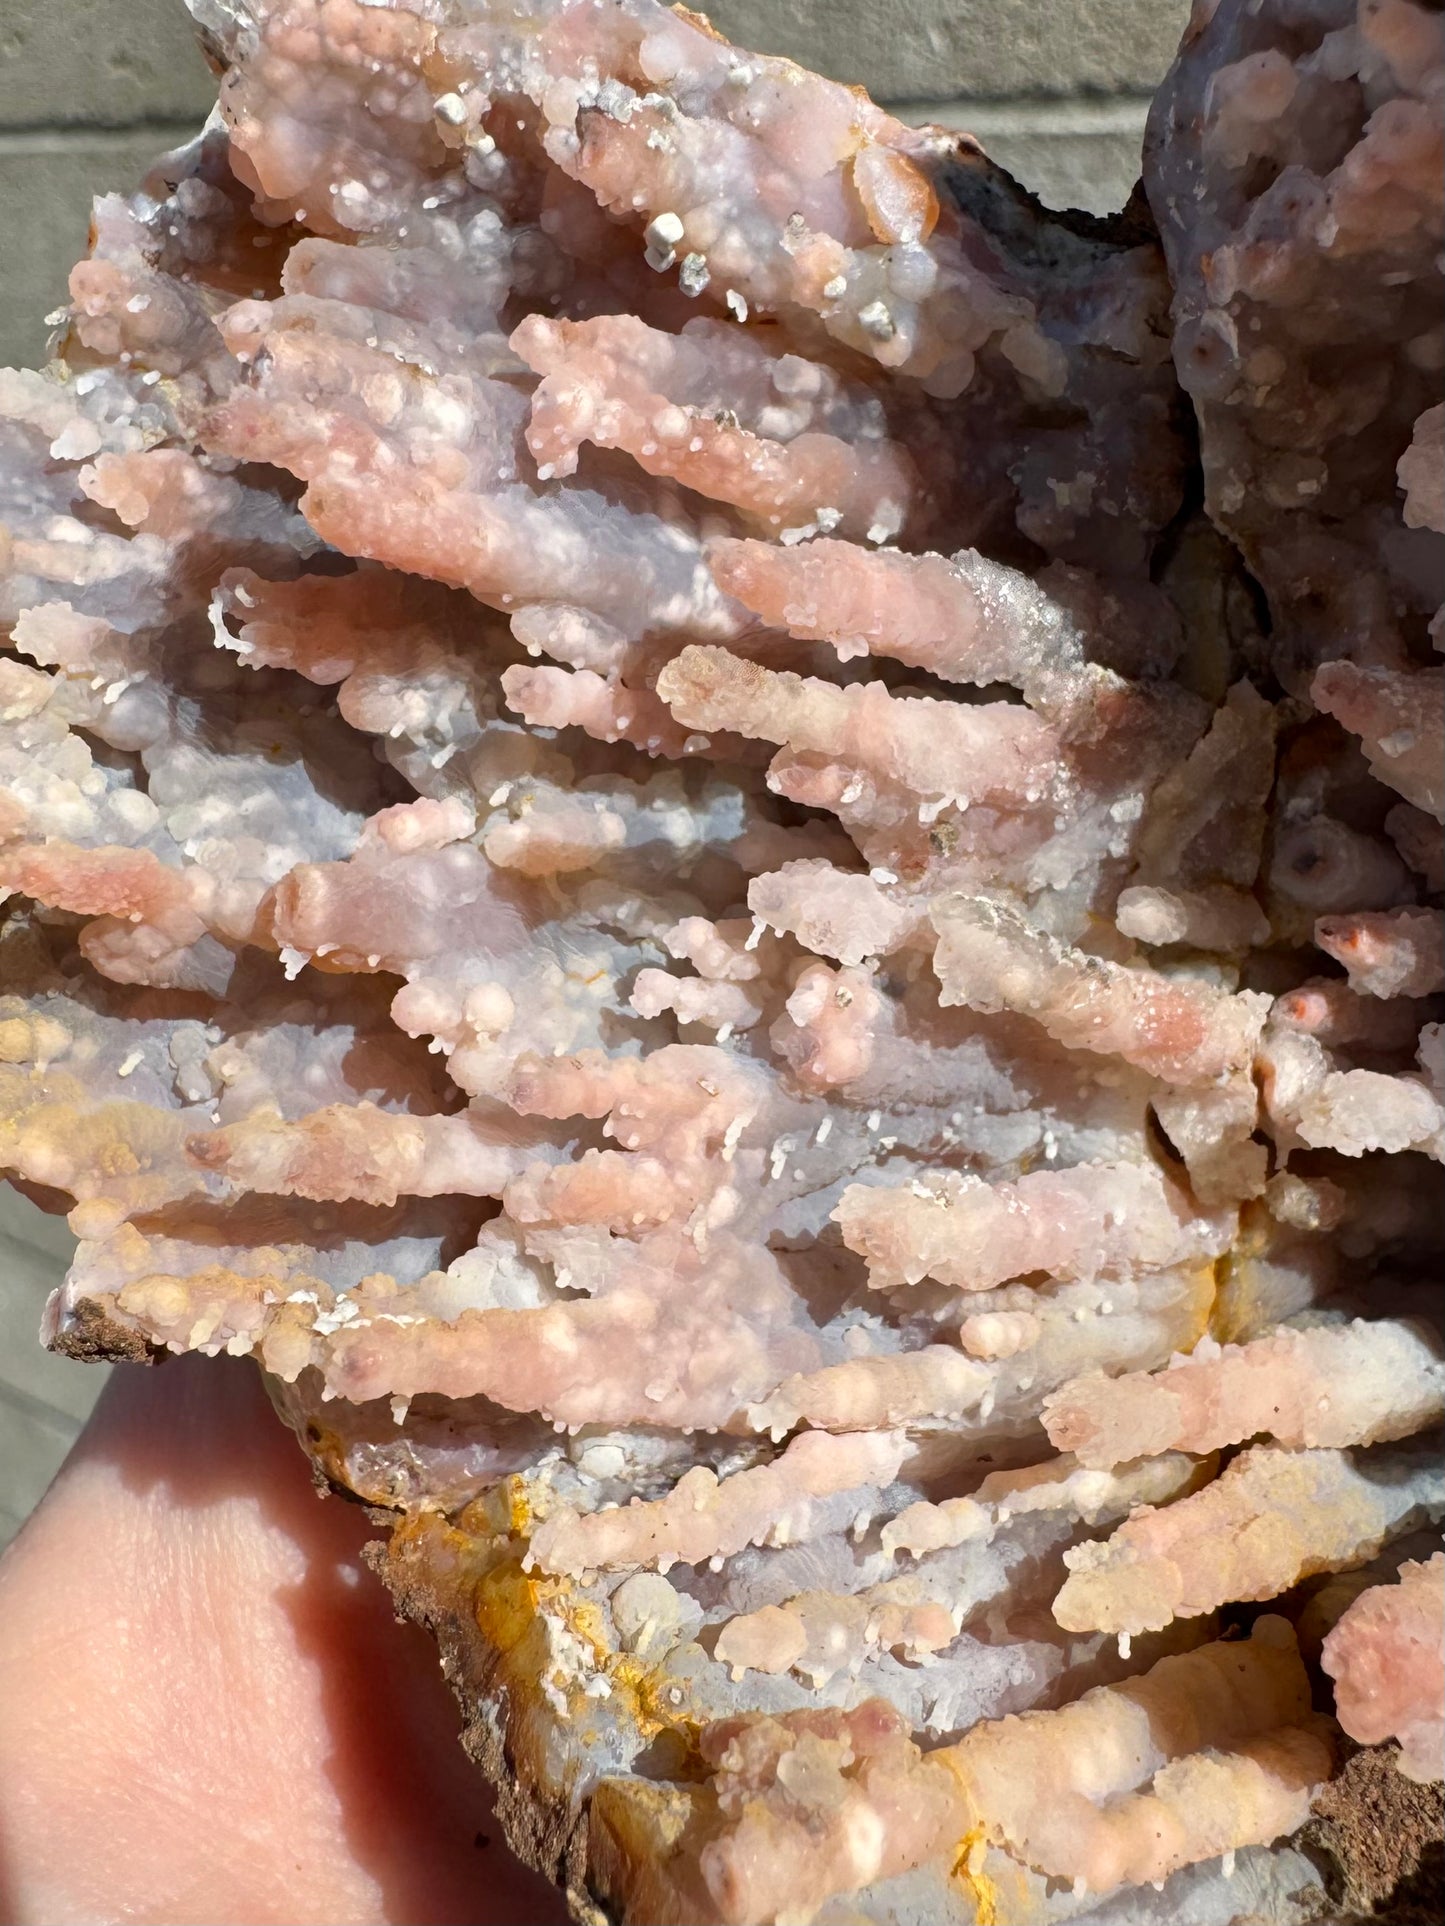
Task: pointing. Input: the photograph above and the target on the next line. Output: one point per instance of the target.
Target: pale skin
(208, 1713)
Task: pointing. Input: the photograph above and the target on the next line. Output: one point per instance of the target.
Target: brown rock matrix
(735, 843)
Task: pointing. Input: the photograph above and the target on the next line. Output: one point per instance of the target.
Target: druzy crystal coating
(735, 843)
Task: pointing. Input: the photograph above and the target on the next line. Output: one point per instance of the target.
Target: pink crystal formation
(735, 843)
(1387, 1658)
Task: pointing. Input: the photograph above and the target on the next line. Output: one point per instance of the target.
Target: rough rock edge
(91, 1335)
(1379, 1840)
(550, 1837)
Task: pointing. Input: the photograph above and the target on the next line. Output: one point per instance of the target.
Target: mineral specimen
(726, 835)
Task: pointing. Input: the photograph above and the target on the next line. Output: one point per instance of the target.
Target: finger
(207, 1710)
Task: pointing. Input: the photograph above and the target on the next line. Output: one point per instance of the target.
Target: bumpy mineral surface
(734, 842)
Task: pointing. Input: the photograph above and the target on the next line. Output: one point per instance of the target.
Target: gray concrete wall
(92, 90)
